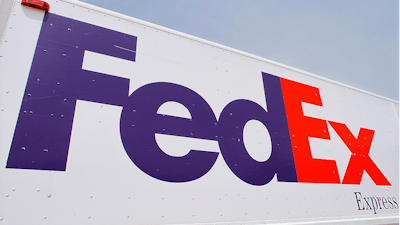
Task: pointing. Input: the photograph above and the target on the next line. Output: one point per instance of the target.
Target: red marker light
(37, 4)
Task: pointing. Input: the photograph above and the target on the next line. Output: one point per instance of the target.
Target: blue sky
(354, 42)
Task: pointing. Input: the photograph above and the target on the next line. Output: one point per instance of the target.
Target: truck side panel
(106, 119)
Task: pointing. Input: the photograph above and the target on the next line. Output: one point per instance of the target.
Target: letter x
(360, 159)
(366, 201)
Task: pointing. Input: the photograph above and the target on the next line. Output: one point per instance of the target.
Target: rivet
(45, 150)
(76, 47)
(91, 196)
(162, 215)
(45, 50)
(7, 195)
(99, 121)
(52, 115)
(10, 27)
(49, 195)
(89, 216)
(29, 95)
(193, 215)
(2, 109)
(191, 134)
(238, 140)
(245, 212)
(38, 80)
(62, 116)
(65, 99)
(134, 110)
(1, 218)
(226, 194)
(58, 83)
(215, 124)
(220, 198)
(230, 114)
(45, 217)
(31, 112)
(64, 55)
(23, 148)
(162, 197)
(69, 29)
(133, 125)
(216, 136)
(221, 214)
(24, 112)
(38, 190)
(51, 24)
(129, 197)
(127, 216)
(13, 189)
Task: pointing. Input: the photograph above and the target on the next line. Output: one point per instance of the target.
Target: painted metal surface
(109, 119)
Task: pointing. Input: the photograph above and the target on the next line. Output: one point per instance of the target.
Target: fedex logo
(56, 80)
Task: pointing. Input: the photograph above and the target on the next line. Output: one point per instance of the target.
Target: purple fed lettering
(56, 81)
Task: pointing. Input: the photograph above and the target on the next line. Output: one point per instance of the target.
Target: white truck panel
(102, 185)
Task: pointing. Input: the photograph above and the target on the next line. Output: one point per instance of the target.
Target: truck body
(107, 119)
